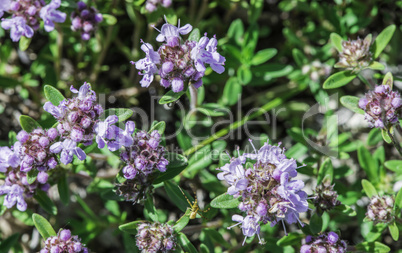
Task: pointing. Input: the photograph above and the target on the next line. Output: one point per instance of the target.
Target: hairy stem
(394, 142)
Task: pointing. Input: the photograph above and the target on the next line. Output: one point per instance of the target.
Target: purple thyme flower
(113, 136)
(355, 54)
(249, 225)
(85, 19)
(142, 159)
(18, 27)
(267, 192)
(151, 5)
(156, 237)
(5, 5)
(49, 14)
(14, 196)
(381, 209)
(68, 148)
(64, 242)
(8, 159)
(326, 242)
(179, 63)
(382, 107)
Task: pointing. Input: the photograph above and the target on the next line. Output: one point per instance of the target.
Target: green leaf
(368, 163)
(336, 41)
(24, 43)
(198, 161)
(369, 188)
(122, 113)
(213, 110)
(345, 209)
(28, 124)
(181, 223)
(53, 95)
(31, 175)
(195, 35)
(263, 55)
(45, 202)
(64, 191)
(299, 57)
(244, 75)
(376, 66)
(291, 239)
(236, 31)
(398, 199)
(388, 80)
(375, 247)
(386, 136)
(186, 244)
(216, 236)
(394, 165)
(160, 127)
(171, 97)
(6, 82)
(352, 103)
(177, 163)
(339, 79)
(109, 19)
(43, 226)
(150, 208)
(130, 227)
(315, 224)
(225, 201)
(382, 40)
(326, 170)
(394, 231)
(232, 91)
(176, 196)
(374, 137)
(7, 244)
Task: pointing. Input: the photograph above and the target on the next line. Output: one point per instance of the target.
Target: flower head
(325, 198)
(85, 19)
(326, 242)
(156, 237)
(380, 209)
(148, 64)
(382, 107)
(355, 54)
(171, 34)
(152, 5)
(49, 14)
(18, 27)
(64, 242)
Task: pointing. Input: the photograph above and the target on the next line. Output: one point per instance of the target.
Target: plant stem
(268, 106)
(193, 97)
(396, 144)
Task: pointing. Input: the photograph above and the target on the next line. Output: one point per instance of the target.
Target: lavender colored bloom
(49, 14)
(148, 64)
(113, 136)
(68, 149)
(326, 242)
(18, 27)
(8, 159)
(268, 194)
(156, 237)
(152, 5)
(171, 33)
(14, 196)
(205, 52)
(4, 6)
(64, 242)
(85, 19)
(382, 107)
(355, 54)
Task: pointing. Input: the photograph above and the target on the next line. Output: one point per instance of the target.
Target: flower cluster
(382, 107)
(327, 242)
(380, 209)
(355, 54)
(267, 191)
(142, 159)
(152, 5)
(30, 152)
(325, 198)
(26, 15)
(85, 19)
(176, 62)
(76, 118)
(64, 242)
(155, 237)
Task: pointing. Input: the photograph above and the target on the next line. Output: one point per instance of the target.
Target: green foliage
(43, 226)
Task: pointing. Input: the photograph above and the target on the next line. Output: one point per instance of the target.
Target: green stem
(193, 97)
(396, 144)
(268, 106)
(364, 80)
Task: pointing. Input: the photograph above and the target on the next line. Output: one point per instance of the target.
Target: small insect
(194, 208)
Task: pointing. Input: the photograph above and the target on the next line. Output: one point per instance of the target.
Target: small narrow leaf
(231, 91)
(64, 191)
(28, 124)
(53, 95)
(177, 163)
(315, 224)
(195, 35)
(299, 57)
(291, 239)
(336, 41)
(352, 103)
(394, 231)
(244, 74)
(122, 113)
(160, 127)
(131, 227)
(43, 226)
(171, 97)
(376, 66)
(186, 244)
(394, 165)
(368, 163)
(376, 247)
(388, 80)
(382, 40)
(263, 55)
(369, 188)
(225, 201)
(345, 209)
(386, 136)
(326, 170)
(45, 202)
(24, 43)
(31, 176)
(339, 79)
(398, 199)
(181, 223)
(8, 243)
(109, 19)
(177, 196)
(150, 208)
